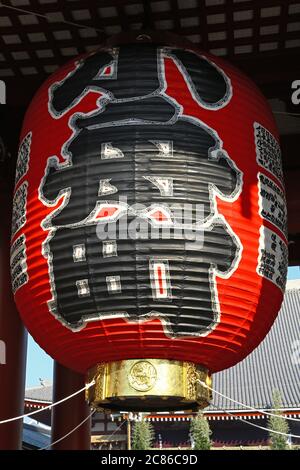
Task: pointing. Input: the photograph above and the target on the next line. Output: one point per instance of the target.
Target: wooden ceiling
(33, 45)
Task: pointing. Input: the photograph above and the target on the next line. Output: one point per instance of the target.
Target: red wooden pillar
(69, 414)
(12, 333)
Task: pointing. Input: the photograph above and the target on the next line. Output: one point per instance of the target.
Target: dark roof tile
(272, 365)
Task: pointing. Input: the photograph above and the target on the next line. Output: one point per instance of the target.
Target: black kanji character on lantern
(132, 73)
(129, 156)
(137, 144)
(89, 286)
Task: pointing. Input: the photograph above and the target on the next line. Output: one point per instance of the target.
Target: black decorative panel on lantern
(138, 194)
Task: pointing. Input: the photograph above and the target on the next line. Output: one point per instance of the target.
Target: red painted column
(69, 414)
(13, 338)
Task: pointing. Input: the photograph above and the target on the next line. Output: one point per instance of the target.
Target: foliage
(143, 435)
(275, 423)
(200, 432)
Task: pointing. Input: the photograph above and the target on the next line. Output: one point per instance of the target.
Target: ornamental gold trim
(148, 385)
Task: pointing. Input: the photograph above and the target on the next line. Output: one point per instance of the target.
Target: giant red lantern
(149, 229)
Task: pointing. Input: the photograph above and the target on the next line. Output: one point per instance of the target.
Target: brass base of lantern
(148, 385)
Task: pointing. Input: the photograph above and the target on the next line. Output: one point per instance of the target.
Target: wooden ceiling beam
(200, 11)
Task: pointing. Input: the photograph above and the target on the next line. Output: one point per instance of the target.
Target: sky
(40, 365)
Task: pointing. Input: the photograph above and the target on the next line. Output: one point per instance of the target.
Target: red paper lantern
(149, 215)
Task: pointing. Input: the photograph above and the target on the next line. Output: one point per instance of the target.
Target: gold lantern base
(148, 385)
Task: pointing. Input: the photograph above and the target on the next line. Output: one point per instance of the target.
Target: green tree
(200, 432)
(275, 423)
(143, 435)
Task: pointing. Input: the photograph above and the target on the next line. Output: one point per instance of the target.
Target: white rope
(78, 426)
(117, 429)
(247, 406)
(111, 435)
(40, 15)
(257, 426)
(48, 407)
(70, 432)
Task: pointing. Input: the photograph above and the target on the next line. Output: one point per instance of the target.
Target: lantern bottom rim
(148, 385)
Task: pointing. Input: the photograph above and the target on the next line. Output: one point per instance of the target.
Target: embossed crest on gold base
(148, 385)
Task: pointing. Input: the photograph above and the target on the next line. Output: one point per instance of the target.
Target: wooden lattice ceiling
(32, 45)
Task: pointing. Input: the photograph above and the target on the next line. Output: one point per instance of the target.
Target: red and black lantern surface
(149, 232)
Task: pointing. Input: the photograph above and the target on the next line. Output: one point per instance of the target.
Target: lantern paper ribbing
(149, 211)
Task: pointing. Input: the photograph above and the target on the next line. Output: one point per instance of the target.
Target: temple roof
(273, 365)
(41, 394)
